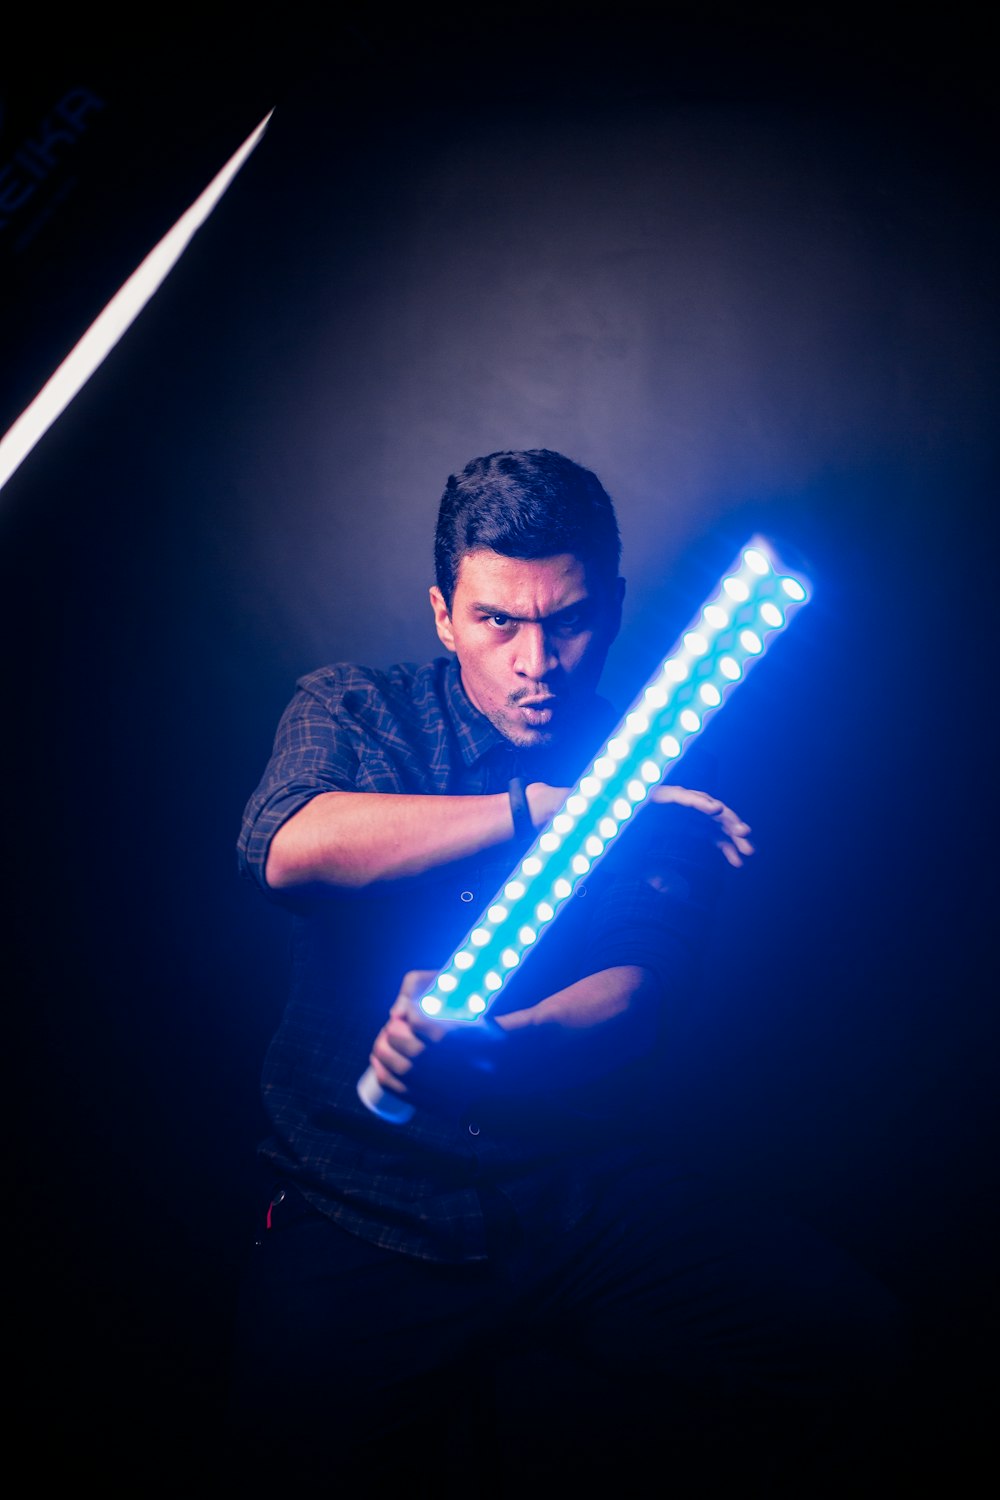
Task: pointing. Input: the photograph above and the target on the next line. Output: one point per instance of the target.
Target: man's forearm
(572, 1037)
(610, 995)
(355, 839)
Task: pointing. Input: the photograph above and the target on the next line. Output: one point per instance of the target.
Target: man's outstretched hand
(731, 833)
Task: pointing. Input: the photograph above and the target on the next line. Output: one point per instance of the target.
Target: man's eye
(499, 622)
(572, 624)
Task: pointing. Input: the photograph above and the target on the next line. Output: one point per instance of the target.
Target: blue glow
(752, 605)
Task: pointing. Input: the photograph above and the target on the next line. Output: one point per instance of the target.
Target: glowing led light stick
(752, 605)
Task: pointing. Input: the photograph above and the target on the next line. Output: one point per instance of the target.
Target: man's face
(531, 636)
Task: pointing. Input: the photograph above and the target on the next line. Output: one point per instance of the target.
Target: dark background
(742, 268)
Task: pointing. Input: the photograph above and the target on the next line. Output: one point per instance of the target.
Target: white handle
(382, 1102)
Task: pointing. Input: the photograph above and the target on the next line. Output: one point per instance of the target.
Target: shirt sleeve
(313, 752)
(656, 906)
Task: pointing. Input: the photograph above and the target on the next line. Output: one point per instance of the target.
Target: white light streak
(116, 318)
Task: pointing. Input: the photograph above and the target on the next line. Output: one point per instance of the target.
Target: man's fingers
(396, 1046)
(734, 842)
(405, 1010)
(414, 984)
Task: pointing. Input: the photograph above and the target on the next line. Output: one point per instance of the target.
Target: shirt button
(473, 1129)
(466, 895)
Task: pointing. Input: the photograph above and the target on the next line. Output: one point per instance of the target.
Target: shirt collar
(476, 735)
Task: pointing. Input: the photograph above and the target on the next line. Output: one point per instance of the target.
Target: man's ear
(442, 619)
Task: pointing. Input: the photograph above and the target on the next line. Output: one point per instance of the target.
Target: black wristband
(524, 828)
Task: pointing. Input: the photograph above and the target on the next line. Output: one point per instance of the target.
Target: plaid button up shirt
(418, 1188)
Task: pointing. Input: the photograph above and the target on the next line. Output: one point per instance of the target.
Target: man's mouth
(537, 711)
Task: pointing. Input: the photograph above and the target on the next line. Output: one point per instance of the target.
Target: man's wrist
(524, 828)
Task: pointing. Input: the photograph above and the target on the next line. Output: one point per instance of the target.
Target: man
(415, 1278)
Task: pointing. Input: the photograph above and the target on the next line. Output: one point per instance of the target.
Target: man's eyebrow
(481, 607)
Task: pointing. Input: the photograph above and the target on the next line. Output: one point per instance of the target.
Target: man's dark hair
(534, 503)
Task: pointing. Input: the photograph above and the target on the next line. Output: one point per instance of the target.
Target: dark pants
(673, 1333)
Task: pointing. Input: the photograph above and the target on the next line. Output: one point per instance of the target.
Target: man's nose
(536, 655)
